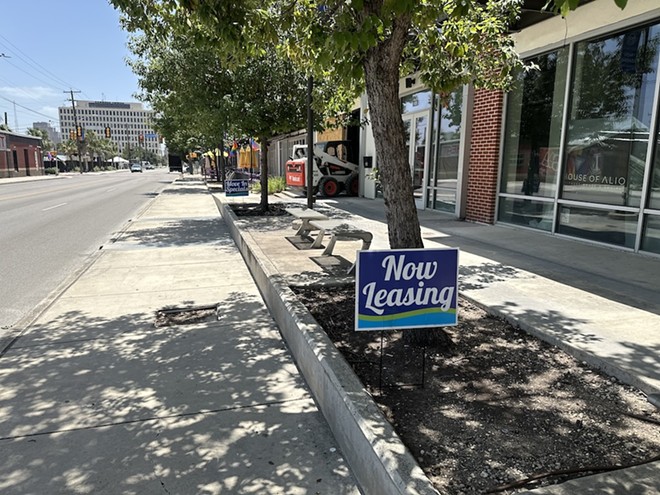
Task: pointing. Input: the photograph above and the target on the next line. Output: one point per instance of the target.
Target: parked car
(136, 167)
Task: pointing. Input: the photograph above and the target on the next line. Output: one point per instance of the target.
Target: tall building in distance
(53, 135)
(130, 124)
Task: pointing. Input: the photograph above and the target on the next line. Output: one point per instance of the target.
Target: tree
(185, 87)
(46, 143)
(68, 147)
(267, 99)
(101, 147)
(363, 43)
(358, 44)
(198, 99)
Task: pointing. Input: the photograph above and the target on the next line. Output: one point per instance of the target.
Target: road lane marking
(53, 207)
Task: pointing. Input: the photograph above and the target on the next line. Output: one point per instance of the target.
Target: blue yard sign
(406, 288)
(237, 187)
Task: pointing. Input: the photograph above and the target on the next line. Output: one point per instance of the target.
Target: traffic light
(108, 132)
(79, 131)
(141, 138)
(72, 134)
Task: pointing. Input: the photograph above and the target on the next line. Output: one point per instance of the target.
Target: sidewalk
(94, 398)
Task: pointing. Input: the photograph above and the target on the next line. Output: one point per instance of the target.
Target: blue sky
(57, 45)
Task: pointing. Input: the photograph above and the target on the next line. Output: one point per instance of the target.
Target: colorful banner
(407, 288)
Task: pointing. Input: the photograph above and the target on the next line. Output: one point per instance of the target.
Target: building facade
(130, 124)
(572, 150)
(20, 155)
(52, 133)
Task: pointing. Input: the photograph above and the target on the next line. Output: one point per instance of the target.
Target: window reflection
(416, 102)
(446, 147)
(610, 117)
(533, 128)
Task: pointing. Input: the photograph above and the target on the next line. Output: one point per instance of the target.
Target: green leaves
(565, 6)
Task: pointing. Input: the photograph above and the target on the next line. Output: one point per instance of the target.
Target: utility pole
(310, 144)
(75, 122)
(15, 117)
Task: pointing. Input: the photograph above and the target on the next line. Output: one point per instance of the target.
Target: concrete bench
(305, 215)
(339, 231)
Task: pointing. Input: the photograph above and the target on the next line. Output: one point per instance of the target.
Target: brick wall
(484, 156)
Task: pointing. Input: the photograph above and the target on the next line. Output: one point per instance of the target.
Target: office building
(130, 124)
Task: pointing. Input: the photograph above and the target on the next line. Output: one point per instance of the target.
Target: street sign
(406, 288)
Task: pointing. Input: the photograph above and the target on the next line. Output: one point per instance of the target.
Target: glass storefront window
(526, 212)
(610, 118)
(651, 238)
(611, 227)
(445, 146)
(533, 128)
(654, 185)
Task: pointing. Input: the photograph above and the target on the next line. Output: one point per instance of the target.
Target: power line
(32, 75)
(30, 109)
(42, 69)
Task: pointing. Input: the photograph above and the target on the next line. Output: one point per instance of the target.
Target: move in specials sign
(407, 288)
(237, 187)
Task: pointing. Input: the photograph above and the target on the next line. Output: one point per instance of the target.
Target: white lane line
(53, 207)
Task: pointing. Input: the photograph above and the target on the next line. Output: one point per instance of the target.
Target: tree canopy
(359, 44)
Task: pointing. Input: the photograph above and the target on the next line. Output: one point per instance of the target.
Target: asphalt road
(49, 228)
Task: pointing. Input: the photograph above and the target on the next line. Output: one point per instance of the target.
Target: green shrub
(51, 171)
(275, 185)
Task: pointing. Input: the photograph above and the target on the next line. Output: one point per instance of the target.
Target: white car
(136, 167)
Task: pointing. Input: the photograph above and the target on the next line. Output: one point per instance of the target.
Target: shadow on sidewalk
(90, 402)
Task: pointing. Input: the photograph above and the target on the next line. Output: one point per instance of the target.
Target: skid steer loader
(332, 173)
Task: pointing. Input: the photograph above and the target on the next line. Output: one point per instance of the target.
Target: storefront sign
(407, 288)
(237, 187)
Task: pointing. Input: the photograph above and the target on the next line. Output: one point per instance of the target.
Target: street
(49, 227)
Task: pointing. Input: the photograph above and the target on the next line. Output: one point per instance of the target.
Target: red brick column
(484, 156)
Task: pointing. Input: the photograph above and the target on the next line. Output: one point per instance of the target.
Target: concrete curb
(380, 462)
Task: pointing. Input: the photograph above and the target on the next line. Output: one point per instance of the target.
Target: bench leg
(318, 242)
(330, 247)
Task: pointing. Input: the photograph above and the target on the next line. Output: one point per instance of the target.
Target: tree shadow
(482, 276)
(177, 232)
(116, 404)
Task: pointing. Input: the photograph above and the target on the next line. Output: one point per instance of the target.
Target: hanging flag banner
(237, 187)
(406, 288)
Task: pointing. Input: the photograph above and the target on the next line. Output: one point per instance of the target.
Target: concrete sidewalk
(598, 304)
(95, 398)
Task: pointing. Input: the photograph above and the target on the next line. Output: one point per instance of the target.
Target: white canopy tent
(120, 162)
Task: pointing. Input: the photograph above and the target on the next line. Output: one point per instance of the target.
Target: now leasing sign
(407, 288)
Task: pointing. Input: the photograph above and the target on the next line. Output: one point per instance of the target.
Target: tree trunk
(381, 70)
(263, 206)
